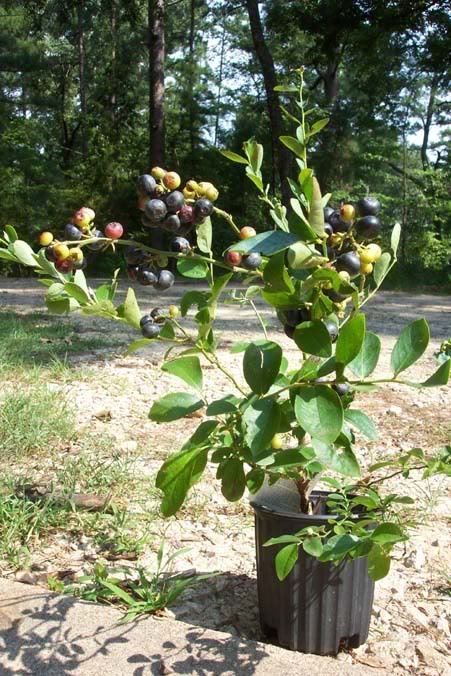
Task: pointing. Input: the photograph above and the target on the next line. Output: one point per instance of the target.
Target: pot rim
(258, 507)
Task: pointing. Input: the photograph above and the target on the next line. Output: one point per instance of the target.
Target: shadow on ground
(56, 636)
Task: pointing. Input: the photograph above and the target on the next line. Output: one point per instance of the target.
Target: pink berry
(114, 230)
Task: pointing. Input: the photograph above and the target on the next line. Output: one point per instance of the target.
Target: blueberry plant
(316, 266)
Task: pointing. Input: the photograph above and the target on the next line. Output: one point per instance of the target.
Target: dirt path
(410, 629)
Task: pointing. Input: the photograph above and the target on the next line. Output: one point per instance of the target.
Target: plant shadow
(42, 633)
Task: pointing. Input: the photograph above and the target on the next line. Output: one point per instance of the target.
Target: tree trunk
(330, 76)
(82, 77)
(428, 122)
(156, 46)
(191, 102)
(113, 94)
(281, 158)
(156, 82)
(220, 77)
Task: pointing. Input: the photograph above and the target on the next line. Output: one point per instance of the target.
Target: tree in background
(93, 91)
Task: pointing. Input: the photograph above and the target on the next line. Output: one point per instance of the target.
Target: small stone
(26, 577)
(394, 410)
(443, 625)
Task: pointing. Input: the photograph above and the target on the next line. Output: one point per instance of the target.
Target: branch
(401, 172)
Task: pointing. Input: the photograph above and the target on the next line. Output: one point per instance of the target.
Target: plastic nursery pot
(320, 607)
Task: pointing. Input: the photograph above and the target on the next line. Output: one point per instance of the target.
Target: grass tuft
(32, 421)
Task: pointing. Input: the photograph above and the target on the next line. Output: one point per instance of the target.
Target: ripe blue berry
(146, 184)
(174, 201)
(155, 210)
(165, 280)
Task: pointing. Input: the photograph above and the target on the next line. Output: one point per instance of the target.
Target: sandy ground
(410, 630)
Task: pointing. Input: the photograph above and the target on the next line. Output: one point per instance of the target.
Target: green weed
(135, 590)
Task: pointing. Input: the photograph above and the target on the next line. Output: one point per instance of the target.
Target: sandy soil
(410, 630)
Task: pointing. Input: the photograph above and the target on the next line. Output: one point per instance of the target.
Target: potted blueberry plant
(285, 433)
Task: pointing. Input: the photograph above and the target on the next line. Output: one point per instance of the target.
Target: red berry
(65, 265)
(114, 230)
(233, 258)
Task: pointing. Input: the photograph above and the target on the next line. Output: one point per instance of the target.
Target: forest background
(95, 92)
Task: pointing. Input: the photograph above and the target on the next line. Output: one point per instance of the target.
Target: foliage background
(75, 109)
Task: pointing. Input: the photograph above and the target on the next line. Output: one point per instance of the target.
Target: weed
(134, 590)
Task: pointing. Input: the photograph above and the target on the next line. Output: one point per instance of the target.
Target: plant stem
(390, 476)
(227, 217)
(169, 254)
(259, 317)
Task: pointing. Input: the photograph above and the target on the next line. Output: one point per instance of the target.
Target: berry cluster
(349, 226)
(81, 226)
(348, 230)
(141, 267)
(251, 261)
(151, 323)
(167, 207)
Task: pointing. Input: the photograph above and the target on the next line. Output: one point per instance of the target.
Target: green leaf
(440, 377)
(266, 243)
(285, 88)
(293, 144)
(218, 287)
(255, 154)
(285, 561)
(204, 235)
(261, 364)
(275, 274)
(11, 232)
(317, 126)
(58, 306)
(316, 213)
(378, 563)
(387, 533)
(80, 280)
(233, 481)
(7, 255)
(177, 474)
(174, 406)
(282, 540)
(194, 269)
(313, 338)
(228, 404)
(186, 368)
(350, 339)
(138, 344)
(167, 330)
(261, 423)
(411, 344)
(313, 546)
(256, 180)
(76, 292)
(24, 253)
(234, 156)
(341, 460)
(319, 411)
(190, 298)
(339, 546)
(395, 237)
(130, 309)
(366, 360)
(239, 346)
(380, 268)
(255, 479)
(362, 422)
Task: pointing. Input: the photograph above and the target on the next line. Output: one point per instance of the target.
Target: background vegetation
(94, 92)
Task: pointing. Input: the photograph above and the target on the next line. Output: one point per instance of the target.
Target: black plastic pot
(319, 608)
